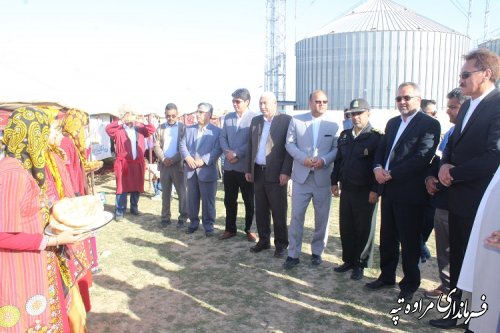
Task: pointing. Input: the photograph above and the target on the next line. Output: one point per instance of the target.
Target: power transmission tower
(275, 73)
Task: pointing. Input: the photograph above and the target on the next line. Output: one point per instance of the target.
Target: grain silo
(373, 48)
(492, 45)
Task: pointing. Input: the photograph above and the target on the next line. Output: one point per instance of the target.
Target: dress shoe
(209, 233)
(435, 293)
(425, 254)
(290, 262)
(379, 284)
(165, 223)
(180, 224)
(316, 260)
(343, 268)
(251, 236)
(406, 295)
(259, 247)
(135, 212)
(279, 253)
(227, 234)
(190, 231)
(357, 273)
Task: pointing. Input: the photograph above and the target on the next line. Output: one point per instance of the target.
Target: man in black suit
(269, 168)
(471, 156)
(401, 161)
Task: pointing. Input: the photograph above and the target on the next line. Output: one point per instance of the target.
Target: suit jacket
(159, 141)
(237, 139)
(474, 153)
(299, 144)
(208, 150)
(278, 160)
(410, 158)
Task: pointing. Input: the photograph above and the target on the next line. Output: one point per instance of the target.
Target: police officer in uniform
(352, 179)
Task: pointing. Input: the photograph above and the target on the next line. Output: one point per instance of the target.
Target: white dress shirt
(132, 135)
(260, 158)
(170, 136)
(473, 105)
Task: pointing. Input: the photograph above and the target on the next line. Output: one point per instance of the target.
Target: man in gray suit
(312, 143)
(200, 149)
(234, 139)
(269, 168)
(167, 139)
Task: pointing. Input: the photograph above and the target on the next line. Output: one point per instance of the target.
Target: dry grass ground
(161, 280)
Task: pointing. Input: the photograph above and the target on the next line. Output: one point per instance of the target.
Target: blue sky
(99, 54)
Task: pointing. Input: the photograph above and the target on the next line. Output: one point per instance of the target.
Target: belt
(260, 167)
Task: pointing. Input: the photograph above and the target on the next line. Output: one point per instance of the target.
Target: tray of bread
(80, 214)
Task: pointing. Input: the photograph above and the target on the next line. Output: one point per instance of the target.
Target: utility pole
(486, 18)
(275, 72)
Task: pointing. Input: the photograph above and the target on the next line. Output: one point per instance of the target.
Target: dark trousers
(355, 225)
(235, 181)
(401, 224)
(121, 203)
(460, 228)
(270, 199)
(428, 222)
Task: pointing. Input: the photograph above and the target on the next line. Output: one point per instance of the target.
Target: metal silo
(369, 51)
(492, 45)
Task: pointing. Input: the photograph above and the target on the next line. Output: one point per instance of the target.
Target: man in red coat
(128, 134)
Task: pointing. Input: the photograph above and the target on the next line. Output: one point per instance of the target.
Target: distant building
(370, 50)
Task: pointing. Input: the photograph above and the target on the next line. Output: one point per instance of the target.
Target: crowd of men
(420, 185)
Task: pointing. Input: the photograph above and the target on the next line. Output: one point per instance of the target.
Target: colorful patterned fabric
(31, 295)
(26, 138)
(73, 125)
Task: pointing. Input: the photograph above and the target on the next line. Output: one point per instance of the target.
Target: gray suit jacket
(278, 160)
(299, 143)
(208, 150)
(159, 141)
(236, 139)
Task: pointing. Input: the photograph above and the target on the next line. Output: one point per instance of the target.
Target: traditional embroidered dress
(31, 293)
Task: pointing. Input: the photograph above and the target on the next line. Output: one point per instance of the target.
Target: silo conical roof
(381, 15)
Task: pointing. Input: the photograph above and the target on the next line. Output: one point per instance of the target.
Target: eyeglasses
(321, 102)
(405, 97)
(466, 75)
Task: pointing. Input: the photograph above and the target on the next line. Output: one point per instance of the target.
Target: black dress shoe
(190, 231)
(343, 268)
(135, 212)
(279, 253)
(406, 295)
(445, 323)
(316, 260)
(357, 273)
(165, 223)
(290, 262)
(259, 247)
(379, 284)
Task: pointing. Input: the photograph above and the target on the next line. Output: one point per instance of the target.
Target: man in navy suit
(200, 150)
(401, 160)
(471, 156)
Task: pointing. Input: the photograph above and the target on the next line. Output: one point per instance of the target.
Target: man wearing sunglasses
(168, 137)
(234, 140)
(470, 159)
(312, 143)
(401, 161)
